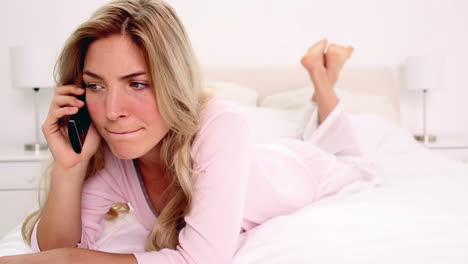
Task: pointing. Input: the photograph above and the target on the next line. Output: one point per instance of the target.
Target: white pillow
(353, 102)
(375, 134)
(236, 92)
(269, 124)
(294, 99)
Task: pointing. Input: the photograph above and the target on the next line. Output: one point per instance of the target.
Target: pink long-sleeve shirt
(238, 184)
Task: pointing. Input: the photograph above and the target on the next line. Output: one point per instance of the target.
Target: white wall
(267, 32)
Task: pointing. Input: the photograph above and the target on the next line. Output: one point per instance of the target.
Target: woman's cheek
(96, 110)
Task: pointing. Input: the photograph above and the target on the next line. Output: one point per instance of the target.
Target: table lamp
(32, 68)
(424, 73)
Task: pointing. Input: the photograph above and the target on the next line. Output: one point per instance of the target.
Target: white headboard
(268, 80)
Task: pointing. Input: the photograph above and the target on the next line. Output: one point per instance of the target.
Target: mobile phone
(79, 124)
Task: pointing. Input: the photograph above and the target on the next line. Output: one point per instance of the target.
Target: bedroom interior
(415, 212)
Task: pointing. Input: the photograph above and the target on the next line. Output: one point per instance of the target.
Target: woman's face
(120, 97)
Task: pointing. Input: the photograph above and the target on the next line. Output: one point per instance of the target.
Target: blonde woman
(182, 158)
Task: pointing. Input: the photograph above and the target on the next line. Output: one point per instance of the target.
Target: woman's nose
(116, 103)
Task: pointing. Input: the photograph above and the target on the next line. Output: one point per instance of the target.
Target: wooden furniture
(20, 173)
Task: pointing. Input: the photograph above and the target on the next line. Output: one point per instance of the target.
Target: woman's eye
(94, 86)
(139, 85)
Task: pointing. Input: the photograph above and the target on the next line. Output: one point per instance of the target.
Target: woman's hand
(55, 127)
(324, 66)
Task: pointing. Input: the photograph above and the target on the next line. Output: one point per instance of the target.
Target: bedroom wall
(271, 32)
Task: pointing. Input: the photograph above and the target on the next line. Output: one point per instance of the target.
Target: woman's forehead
(116, 54)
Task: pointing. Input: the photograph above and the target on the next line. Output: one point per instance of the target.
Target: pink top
(238, 184)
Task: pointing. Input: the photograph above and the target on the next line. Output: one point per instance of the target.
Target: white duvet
(416, 213)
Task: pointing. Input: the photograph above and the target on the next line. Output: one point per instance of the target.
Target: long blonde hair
(155, 27)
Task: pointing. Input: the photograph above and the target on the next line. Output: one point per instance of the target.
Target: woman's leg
(329, 148)
(323, 68)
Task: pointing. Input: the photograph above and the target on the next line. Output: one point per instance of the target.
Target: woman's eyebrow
(128, 76)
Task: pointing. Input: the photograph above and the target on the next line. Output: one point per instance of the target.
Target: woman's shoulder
(219, 107)
(222, 121)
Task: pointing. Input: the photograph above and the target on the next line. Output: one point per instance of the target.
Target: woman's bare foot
(335, 59)
(314, 62)
(324, 67)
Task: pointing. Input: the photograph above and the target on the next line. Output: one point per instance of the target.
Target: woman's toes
(319, 45)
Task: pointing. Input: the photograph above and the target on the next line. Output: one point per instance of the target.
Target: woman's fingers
(68, 89)
(62, 106)
(66, 96)
(51, 124)
(61, 112)
(67, 100)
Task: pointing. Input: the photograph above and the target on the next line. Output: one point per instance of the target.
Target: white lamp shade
(33, 66)
(424, 72)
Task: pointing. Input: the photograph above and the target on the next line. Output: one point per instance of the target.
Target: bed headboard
(268, 80)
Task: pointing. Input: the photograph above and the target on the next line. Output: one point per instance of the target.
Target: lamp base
(35, 146)
(426, 138)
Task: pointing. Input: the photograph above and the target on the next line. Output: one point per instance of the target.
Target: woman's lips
(123, 132)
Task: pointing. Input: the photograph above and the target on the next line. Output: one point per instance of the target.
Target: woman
(182, 158)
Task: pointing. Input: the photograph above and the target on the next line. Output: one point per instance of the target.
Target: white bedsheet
(417, 214)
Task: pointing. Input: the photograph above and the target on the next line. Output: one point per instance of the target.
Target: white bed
(416, 212)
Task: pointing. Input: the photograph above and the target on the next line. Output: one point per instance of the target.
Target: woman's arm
(86, 256)
(327, 126)
(70, 256)
(92, 201)
(60, 223)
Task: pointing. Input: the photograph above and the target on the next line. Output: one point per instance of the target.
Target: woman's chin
(125, 152)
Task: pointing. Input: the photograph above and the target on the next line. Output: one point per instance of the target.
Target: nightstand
(452, 146)
(20, 172)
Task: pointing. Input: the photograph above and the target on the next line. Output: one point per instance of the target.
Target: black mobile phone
(79, 124)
